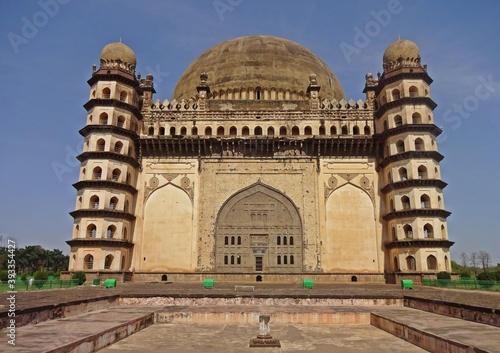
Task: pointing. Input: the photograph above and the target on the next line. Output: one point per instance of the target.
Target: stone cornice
(104, 184)
(100, 242)
(417, 212)
(419, 243)
(428, 128)
(95, 102)
(114, 75)
(412, 183)
(108, 129)
(102, 213)
(405, 101)
(408, 74)
(438, 157)
(108, 155)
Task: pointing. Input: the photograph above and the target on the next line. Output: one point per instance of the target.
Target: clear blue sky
(47, 49)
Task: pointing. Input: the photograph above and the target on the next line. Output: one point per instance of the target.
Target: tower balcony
(438, 157)
(108, 156)
(419, 243)
(414, 183)
(405, 101)
(102, 213)
(100, 242)
(104, 184)
(417, 212)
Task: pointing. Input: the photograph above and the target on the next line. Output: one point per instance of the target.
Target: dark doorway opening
(164, 278)
(258, 263)
(354, 279)
(258, 278)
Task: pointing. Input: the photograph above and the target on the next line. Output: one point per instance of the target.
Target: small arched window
(425, 201)
(292, 260)
(283, 131)
(278, 260)
(405, 201)
(88, 262)
(91, 231)
(307, 131)
(428, 231)
(208, 131)
(413, 91)
(400, 146)
(194, 131)
(172, 131)
(106, 93)
(94, 202)
(226, 240)
(113, 202)
(120, 122)
(322, 130)
(220, 131)
(367, 130)
(419, 144)
(278, 240)
(233, 131)
(284, 240)
(226, 260)
(408, 230)
(344, 130)
(333, 130)
(395, 94)
(295, 131)
(123, 96)
(101, 145)
(97, 173)
(245, 131)
(403, 174)
(285, 260)
(355, 130)
(183, 131)
(103, 119)
(398, 121)
(416, 118)
(232, 259)
(118, 147)
(239, 240)
(411, 264)
(431, 263)
(291, 240)
(151, 131)
(110, 233)
(161, 131)
(258, 131)
(270, 131)
(233, 240)
(422, 172)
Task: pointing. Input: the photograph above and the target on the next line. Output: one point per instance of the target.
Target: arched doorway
(267, 227)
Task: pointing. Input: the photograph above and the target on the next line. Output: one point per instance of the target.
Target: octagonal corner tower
(254, 62)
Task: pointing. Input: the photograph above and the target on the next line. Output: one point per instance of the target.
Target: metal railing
(24, 285)
(463, 283)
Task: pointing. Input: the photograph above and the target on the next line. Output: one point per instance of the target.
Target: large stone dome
(118, 51)
(403, 48)
(258, 61)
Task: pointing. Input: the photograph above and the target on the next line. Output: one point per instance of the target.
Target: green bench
(406, 284)
(208, 283)
(308, 283)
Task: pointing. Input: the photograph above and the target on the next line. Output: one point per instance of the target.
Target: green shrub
(50, 273)
(57, 274)
(4, 275)
(465, 273)
(486, 276)
(443, 275)
(40, 276)
(80, 276)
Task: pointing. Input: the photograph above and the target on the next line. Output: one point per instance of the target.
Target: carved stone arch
(259, 215)
(151, 190)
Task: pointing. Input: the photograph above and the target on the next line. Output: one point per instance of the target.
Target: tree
(464, 259)
(484, 258)
(474, 261)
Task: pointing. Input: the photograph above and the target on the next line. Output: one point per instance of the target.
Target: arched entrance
(258, 229)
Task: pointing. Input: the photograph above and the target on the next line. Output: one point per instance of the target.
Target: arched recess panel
(349, 244)
(168, 231)
(248, 227)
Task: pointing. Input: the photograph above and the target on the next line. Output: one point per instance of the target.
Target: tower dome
(118, 55)
(253, 62)
(403, 48)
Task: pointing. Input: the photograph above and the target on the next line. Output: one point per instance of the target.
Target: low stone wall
(489, 316)
(49, 312)
(192, 301)
(264, 277)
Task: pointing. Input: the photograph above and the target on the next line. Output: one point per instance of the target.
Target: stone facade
(264, 177)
